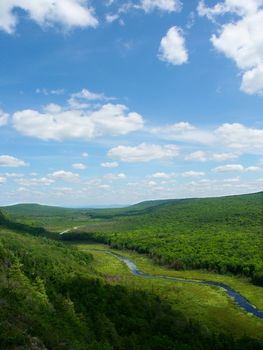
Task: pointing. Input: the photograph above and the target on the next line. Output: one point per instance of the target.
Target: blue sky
(114, 102)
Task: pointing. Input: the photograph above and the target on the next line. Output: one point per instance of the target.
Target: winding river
(237, 298)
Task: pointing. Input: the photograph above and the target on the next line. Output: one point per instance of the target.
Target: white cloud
(110, 164)
(112, 18)
(240, 137)
(236, 168)
(229, 168)
(200, 156)
(172, 47)
(147, 6)
(14, 175)
(110, 120)
(52, 108)
(85, 154)
(192, 173)
(79, 166)
(184, 132)
(144, 152)
(254, 169)
(203, 156)
(241, 39)
(11, 162)
(239, 7)
(64, 175)
(78, 100)
(47, 92)
(2, 180)
(162, 175)
(66, 13)
(163, 5)
(88, 95)
(152, 183)
(104, 187)
(119, 176)
(3, 118)
(232, 179)
(35, 182)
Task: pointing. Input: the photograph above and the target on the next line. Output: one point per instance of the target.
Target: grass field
(207, 305)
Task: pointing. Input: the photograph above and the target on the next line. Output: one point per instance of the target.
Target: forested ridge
(51, 298)
(219, 234)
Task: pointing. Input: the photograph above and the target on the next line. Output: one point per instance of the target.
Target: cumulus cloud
(88, 95)
(254, 169)
(240, 137)
(3, 118)
(82, 99)
(14, 175)
(44, 181)
(109, 119)
(144, 152)
(47, 92)
(192, 173)
(2, 180)
(229, 168)
(203, 156)
(104, 187)
(64, 175)
(236, 136)
(11, 162)
(79, 166)
(119, 176)
(147, 6)
(110, 164)
(236, 168)
(172, 47)
(184, 132)
(241, 38)
(66, 13)
(163, 5)
(162, 175)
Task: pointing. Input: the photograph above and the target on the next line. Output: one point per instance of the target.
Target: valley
(45, 251)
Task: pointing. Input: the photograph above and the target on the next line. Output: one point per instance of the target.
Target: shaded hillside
(17, 226)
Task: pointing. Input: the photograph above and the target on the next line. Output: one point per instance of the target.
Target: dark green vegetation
(224, 235)
(52, 296)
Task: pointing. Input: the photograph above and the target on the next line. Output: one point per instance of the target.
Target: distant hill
(36, 210)
(33, 209)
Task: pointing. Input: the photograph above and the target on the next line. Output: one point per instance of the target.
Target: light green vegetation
(205, 304)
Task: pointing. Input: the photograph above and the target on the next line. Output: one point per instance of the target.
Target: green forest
(224, 235)
(52, 295)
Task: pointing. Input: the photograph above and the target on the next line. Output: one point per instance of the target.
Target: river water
(237, 298)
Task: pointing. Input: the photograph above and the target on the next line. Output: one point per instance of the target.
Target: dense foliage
(51, 298)
(219, 234)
